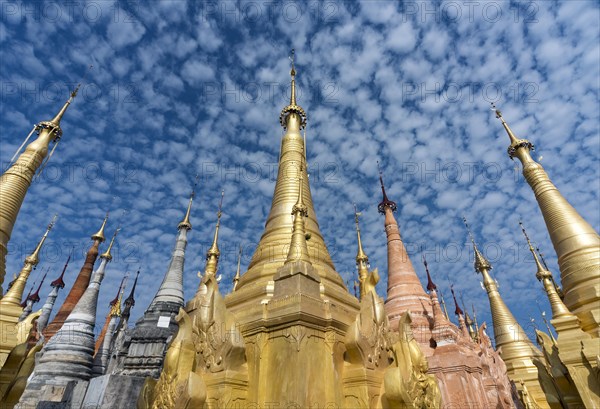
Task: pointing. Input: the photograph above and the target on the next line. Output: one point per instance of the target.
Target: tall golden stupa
(15, 182)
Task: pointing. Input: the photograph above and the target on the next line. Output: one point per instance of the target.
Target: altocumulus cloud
(180, 89)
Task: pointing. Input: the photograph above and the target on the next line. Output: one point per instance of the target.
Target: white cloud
(195, 71)
(3, 32)
(403, 38)
(207, 35)
(125, 30)
(379, 11)
(169, 102)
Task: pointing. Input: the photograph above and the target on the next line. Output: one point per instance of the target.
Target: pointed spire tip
(480, 263)
(293, 108)
(385, 202)
(107, 254)
(361, 256)
(186, 223)
(430, 284)
(59, 282)
(458, 310)
(99, 235)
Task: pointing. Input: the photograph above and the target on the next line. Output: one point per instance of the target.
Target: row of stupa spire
(70, 350)
(575, 312)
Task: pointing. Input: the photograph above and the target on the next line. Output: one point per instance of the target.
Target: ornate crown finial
(293, 107)
(515, 143)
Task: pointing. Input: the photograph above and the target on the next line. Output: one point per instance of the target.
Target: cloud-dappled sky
(179, 89)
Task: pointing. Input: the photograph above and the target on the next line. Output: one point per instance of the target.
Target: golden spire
(480, 262)
(15, 293)
(15, 182)
(292, 108)
(99, 235)
(293, 75)
(466, 311)
(545, 277)
(304, 143)
(366, 280)
(236, 278)
(362, 260)
(34, 258)
(556, 286)
(185, 223)
(575, 241)
(543, 314)
(107, 254)
(273, 247)
(115, 310)
(298, 250)
(509, 335)
(468, 320)
(123, 280)
(515, 142)
(213, 253)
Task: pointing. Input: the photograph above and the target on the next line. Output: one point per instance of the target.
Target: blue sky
(181, 89)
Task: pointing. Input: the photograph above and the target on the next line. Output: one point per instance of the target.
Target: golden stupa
(290, 334)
